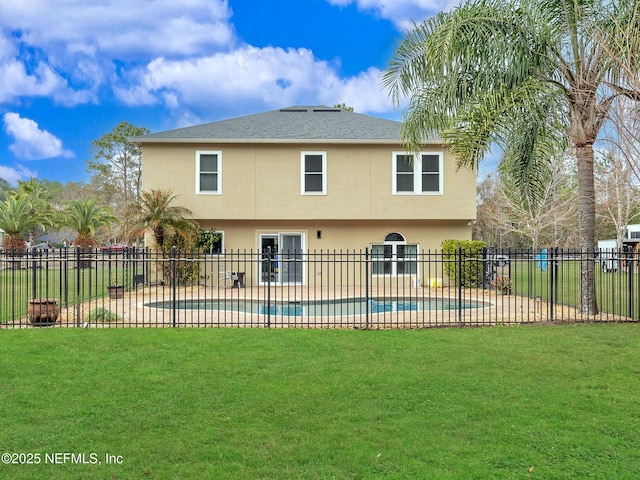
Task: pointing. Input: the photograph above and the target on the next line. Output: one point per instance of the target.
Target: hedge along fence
(463, 262)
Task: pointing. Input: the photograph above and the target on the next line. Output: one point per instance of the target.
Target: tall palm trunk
(158, 236)
(585, 118)
(587, 228)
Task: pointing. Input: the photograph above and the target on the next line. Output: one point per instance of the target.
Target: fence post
(629, 263)
(460, 285)
(64, 287)
(268, 287)
(486, 280)
(78, 280)
(174, 271)
(553, 271)
(127, 257)
(366, 286)
(636, 268)
(34, 270)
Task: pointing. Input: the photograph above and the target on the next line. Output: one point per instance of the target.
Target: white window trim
(417, 173)
(209, 152)
(303, 246)
(222, 249)
(394, 260)
(303, 172)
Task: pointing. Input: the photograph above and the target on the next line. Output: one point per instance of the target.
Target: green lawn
(17, 286)
(613, 289)
(547, 402)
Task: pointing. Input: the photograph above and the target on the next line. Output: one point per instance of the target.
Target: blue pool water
(316, 308)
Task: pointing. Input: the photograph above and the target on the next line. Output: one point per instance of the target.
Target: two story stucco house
(313, 178)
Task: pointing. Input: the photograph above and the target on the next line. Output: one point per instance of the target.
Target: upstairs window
(209, 172)
(419, 174)
(313, 168)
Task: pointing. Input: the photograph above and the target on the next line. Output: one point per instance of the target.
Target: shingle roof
(288, 125)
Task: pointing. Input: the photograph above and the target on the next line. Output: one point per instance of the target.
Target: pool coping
(494, 309)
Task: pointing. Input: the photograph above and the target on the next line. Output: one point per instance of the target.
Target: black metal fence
(350, 289)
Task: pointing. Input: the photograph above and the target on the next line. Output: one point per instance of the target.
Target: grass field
(547, 402)
(17, 286)
(613, 289)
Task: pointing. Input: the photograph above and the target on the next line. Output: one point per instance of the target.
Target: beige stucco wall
(261, 194)
(337, 235)
(263, 182)
(242, 245)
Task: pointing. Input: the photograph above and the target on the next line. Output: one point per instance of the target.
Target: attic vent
(326, 110)
(293, 109)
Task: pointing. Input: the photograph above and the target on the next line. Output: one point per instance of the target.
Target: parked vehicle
(115, 247)
(500, 260)
(607, 256)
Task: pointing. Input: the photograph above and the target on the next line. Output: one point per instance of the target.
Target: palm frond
(457, 65)
(158, 214)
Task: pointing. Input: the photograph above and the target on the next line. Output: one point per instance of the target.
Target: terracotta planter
(116, 291)
(43, 312)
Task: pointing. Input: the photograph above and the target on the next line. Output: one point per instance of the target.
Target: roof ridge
(315, 124)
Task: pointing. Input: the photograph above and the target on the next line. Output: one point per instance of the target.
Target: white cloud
(33, 76)
(121, 28)
(8, 49)
(269, 76)
(363, 92)
(69, 49)
(182, 55)
(401, 12)
(30, 142)
(15, 174)
(15, 81)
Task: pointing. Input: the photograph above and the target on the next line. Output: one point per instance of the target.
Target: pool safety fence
(364, 289)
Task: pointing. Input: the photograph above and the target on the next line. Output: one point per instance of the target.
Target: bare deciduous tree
(617, 193)
(549, 216)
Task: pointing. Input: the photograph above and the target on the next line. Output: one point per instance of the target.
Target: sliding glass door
(286, 266)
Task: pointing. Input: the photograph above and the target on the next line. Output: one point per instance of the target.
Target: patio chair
(224, 277)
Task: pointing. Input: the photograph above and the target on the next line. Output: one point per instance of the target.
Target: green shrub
(102, 314)
(208, 241)
(186, 271)
(469, 252)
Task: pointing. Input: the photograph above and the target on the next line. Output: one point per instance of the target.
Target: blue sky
(71, 70)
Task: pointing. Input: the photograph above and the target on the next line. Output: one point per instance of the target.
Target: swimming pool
(317, 308)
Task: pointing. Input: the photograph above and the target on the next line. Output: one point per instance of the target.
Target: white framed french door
(286, 265)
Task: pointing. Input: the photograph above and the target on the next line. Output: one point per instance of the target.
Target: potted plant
(43, 312)
(115, 290)
(502, 284)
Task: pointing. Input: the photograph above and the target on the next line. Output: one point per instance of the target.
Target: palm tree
(84, 217)
(38, 194)
(36, 189)
(18, 217)
(525, 75)
(157, 214)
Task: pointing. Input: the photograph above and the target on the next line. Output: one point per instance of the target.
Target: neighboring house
(633, 233)
(631, 240)
(58, 239)
(314, 178)
(608, 250)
